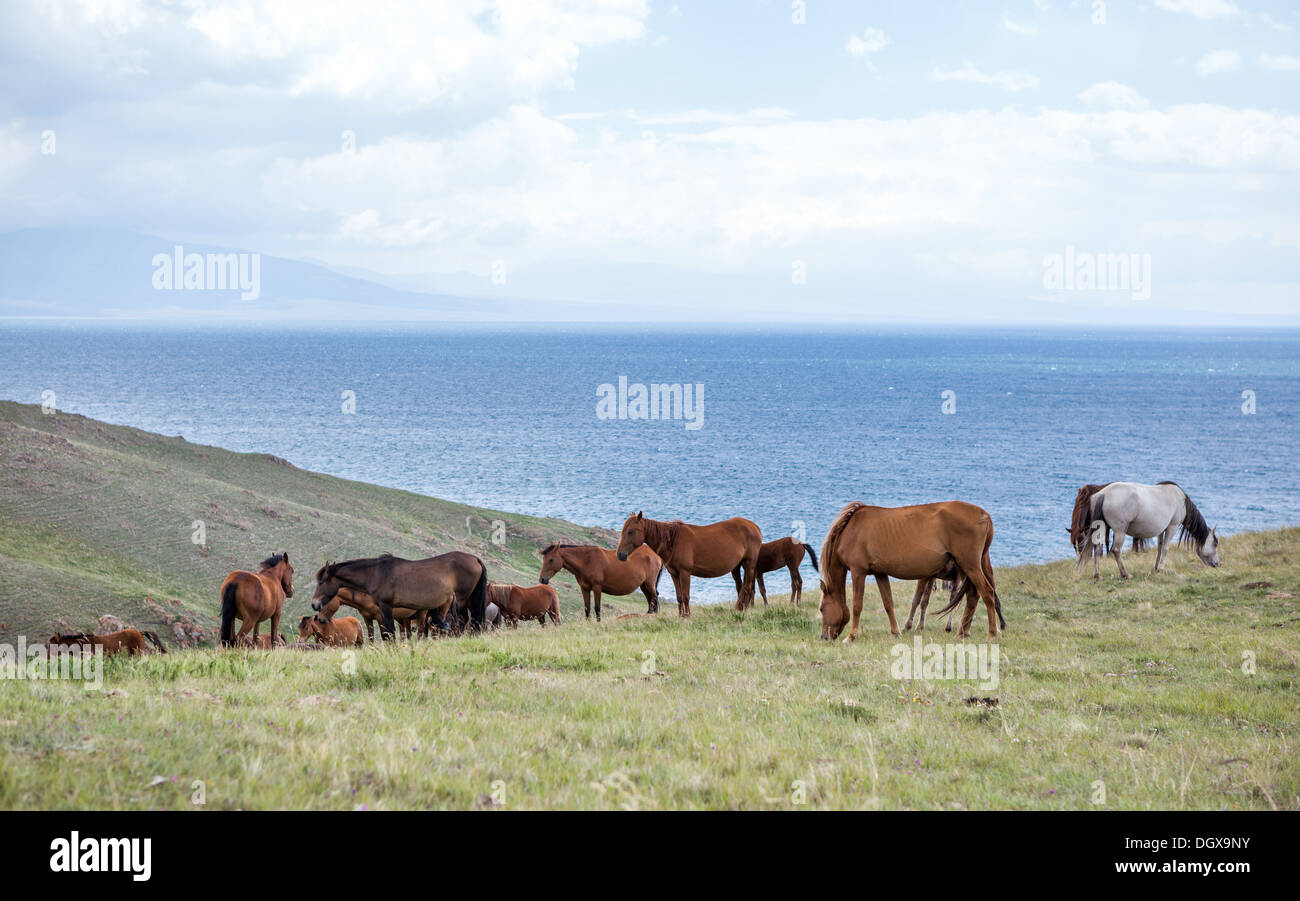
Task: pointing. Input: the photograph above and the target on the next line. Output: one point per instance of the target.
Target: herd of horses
(925, 543)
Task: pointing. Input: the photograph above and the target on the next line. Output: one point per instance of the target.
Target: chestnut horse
(123, 641)
(518, 603)
(430, 584)
(253, 597)
(599, 571)
(730, 546)
(337, 633)
(919, 542)
(788, 553)
(369, 610)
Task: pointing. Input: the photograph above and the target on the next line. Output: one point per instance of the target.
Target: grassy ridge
(1136, 689)
(98, 519)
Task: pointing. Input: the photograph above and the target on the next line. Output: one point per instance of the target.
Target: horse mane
(662, 536)
(833, 533)
(559, 547)
(272, 561)
(75, 636)
(498, 593)
(1195, 530)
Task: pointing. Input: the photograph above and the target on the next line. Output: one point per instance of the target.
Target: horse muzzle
(543, 581)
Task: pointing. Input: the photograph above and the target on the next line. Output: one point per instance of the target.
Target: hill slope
(100, 519)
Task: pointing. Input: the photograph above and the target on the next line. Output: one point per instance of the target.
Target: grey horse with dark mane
(435, 584)
(1145, 511)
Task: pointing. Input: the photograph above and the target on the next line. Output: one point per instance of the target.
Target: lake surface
(795, 422)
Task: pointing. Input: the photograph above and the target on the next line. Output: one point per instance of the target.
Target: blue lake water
(796, 422)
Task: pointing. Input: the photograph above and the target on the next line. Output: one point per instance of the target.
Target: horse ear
(286, 556)
(638, 515)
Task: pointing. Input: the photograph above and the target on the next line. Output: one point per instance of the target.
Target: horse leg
(887, 598)
(859, 586)
(682, 582)
(385, 621)
(275, 627)
(1116, 550)
(651, 597)
(750, 568)
(586, 600)
(740, 595)
(595, 590)
(920, 593)
(980, 588)
(796, 586)
(1162, 549)
(762, 589)
(370, 625)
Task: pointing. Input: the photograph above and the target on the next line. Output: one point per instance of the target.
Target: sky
(621, 159)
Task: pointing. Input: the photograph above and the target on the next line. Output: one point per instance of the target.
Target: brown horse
(430, 584)
(730, 546)
(264, 642)
(1081, 524)
(337, 633)
(918, 542)
(124, 641)
(599, 571)
(955, 584)
(518, 603)
(788, 553)
(369, 610)
(253, 597)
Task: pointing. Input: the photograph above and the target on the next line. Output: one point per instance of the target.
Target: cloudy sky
(758, 159)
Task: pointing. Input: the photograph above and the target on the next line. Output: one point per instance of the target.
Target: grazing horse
(517, 603)
(337, 633)
(430, 584)
(369, 610)
(1146, 511)
(730, 546)
(919, 542)
(253, 597)
(599, 571)
(123, 641)
(788, 553)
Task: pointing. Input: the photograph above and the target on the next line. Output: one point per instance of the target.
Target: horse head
(327, 585)
(552, 563)
(834, 610)
(1208, 550)
(633, 535)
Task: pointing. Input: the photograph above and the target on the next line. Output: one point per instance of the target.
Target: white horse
(1148, 511)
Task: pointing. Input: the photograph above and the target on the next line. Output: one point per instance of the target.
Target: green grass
(1137, 685)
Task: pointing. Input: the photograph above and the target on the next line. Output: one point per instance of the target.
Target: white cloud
(1007, 81)
(1218, 62)
(1017, 28)
(1201, 9)
(1280, 63)
(870, 41)
(1113, 95)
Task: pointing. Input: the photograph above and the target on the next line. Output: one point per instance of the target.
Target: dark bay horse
(430, 584)
(253, 597)
(730, 546)
(788, 553)
(516, 603)
(599, 571)
(917, 543)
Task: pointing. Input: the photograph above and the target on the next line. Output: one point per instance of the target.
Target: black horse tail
(813, 554)
(228, 611)
(997, 605)
(153, 639)
(478, 598)
(659, 576)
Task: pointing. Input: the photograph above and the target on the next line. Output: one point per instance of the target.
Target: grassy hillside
(98, 519)
(1135, 690)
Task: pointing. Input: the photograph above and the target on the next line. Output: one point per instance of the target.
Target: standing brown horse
(599, 571)
(516, 603)
(434, 583)
(788, 553)
(730, 546)
(918, 542)
(253, 597)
